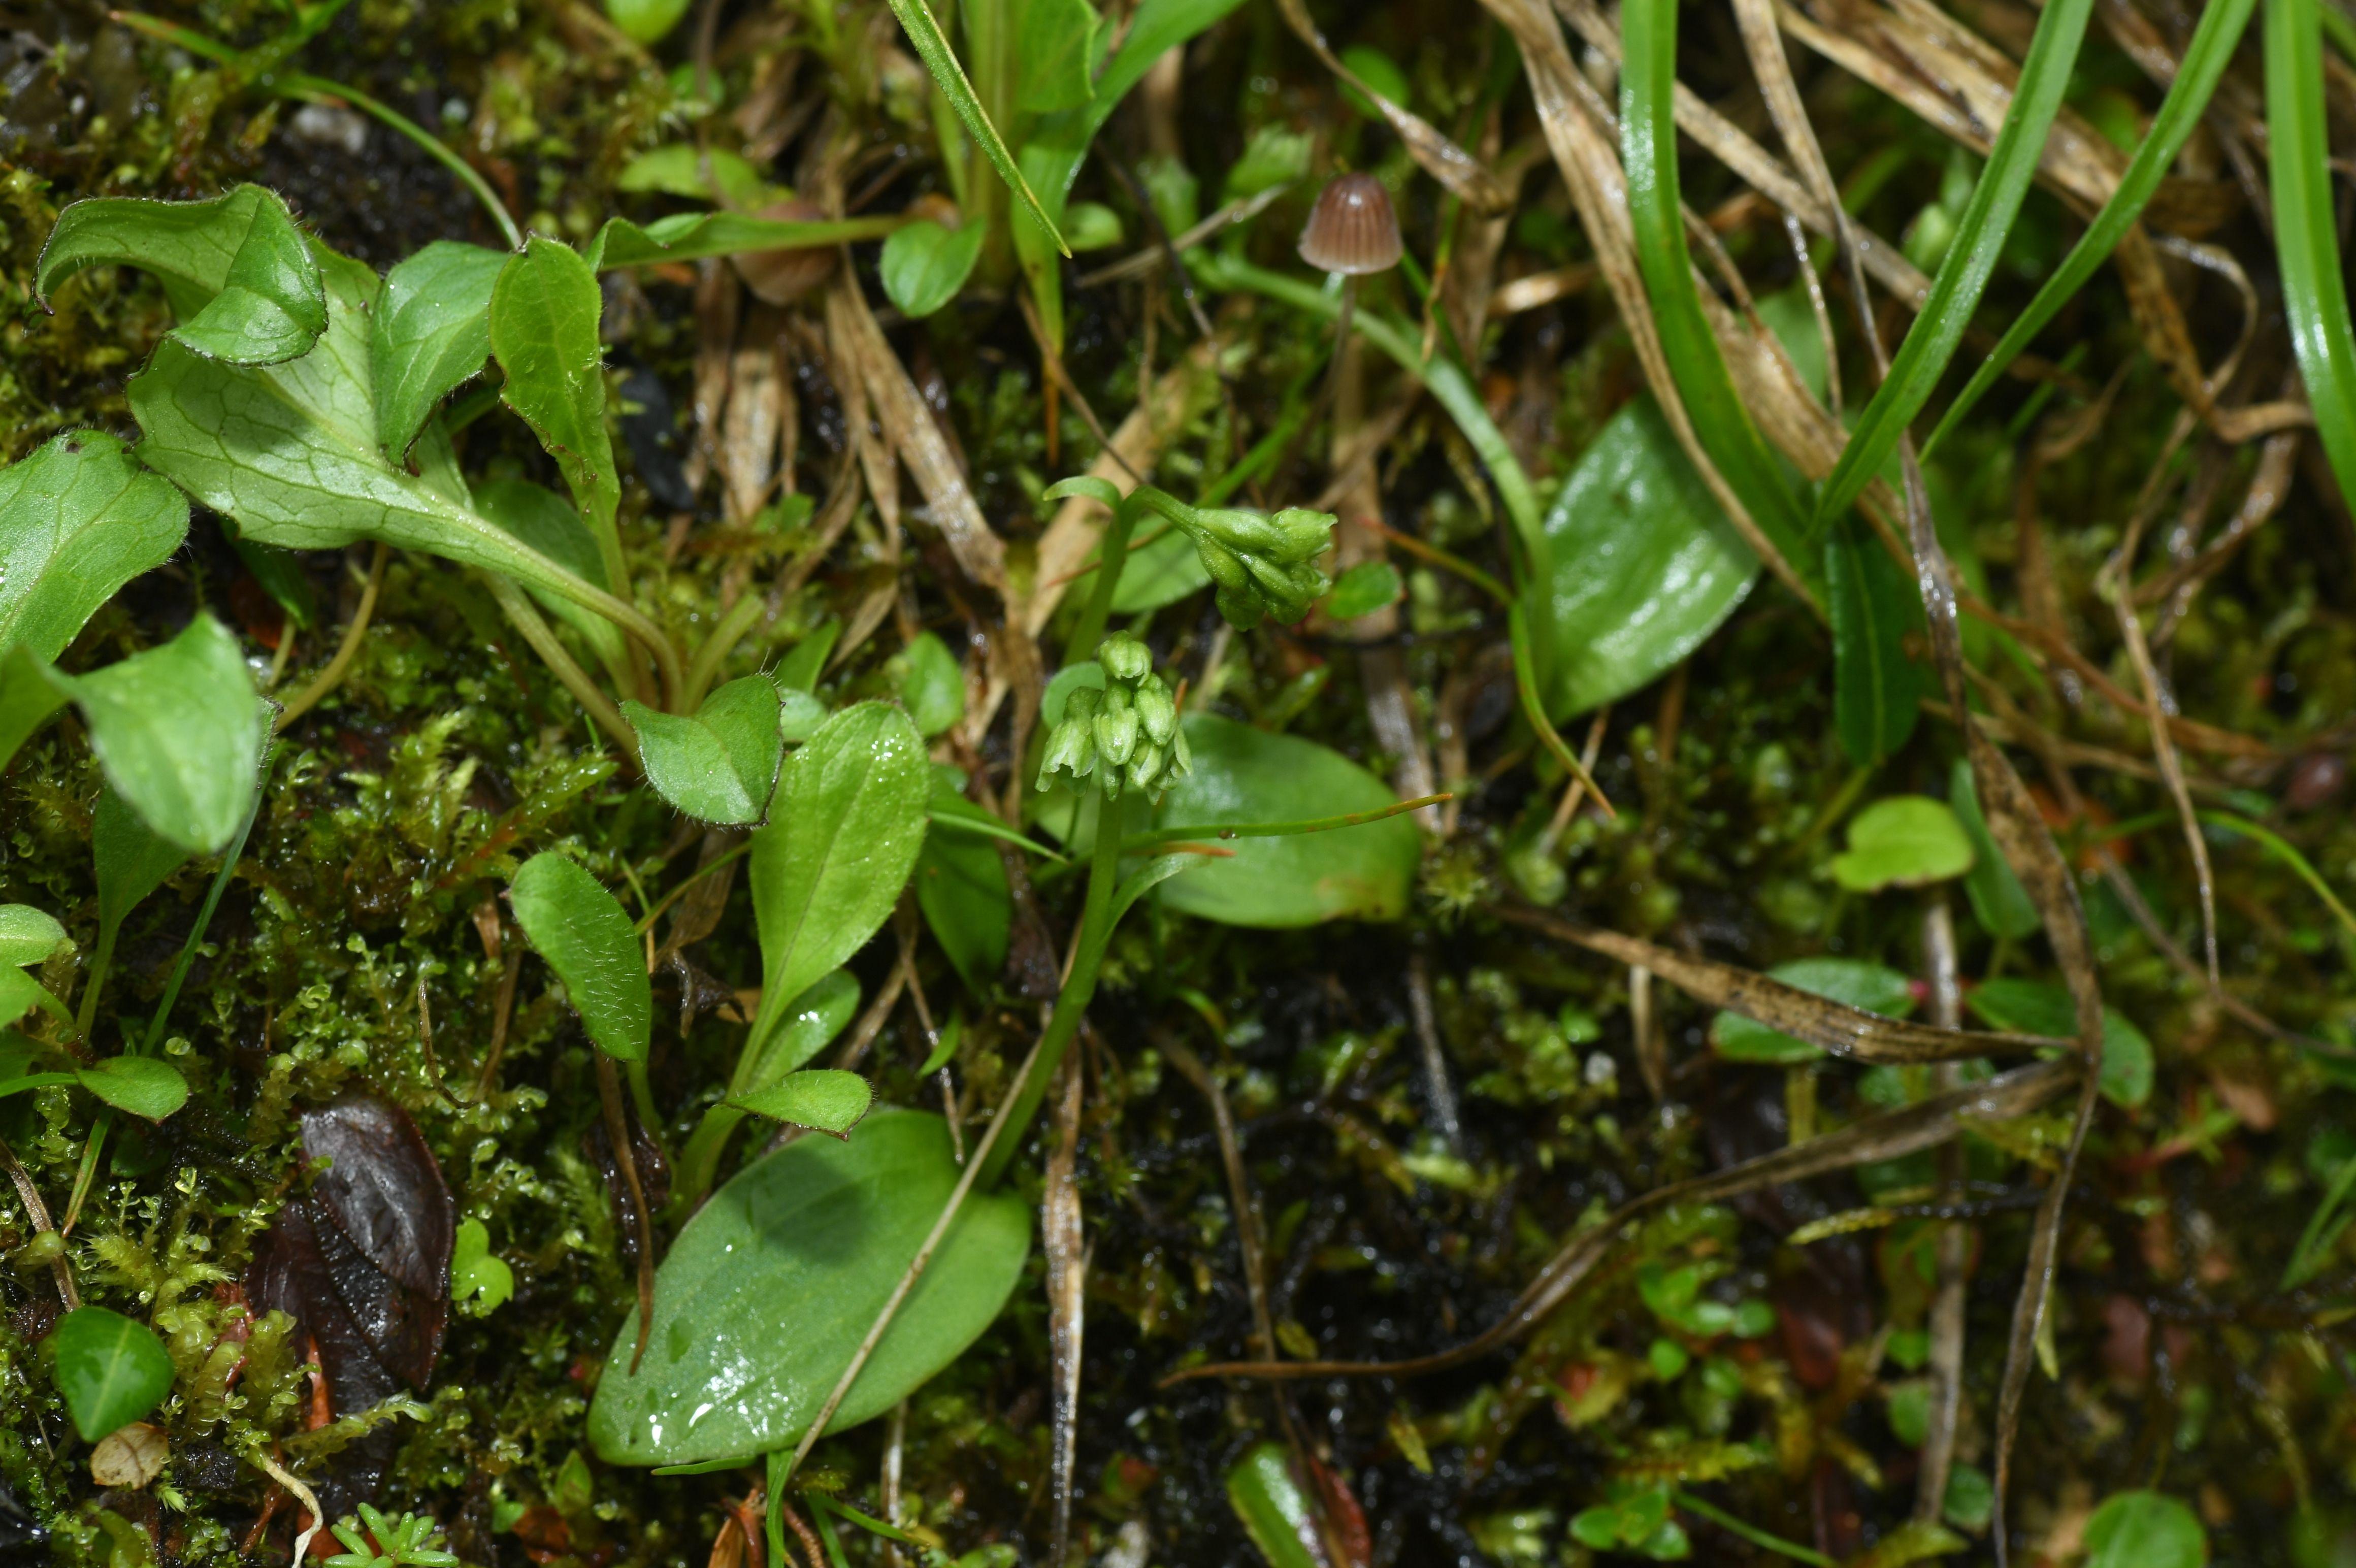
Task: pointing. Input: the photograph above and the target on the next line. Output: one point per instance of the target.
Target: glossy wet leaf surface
(77, 519)
(821, 1099)
(1242, 775)
(1646, 564)
(770, 1287)
(111, 1369)
(1904, 841)
(581, 931)
(924, 264)
(27, 935)
(721, 765)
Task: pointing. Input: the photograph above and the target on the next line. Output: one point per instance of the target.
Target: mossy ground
(395, 812)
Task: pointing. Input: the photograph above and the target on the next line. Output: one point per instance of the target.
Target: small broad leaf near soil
(179, 730)
(27, 935)
(924, 264)
(721, 765)
(543, 328)
(1241, 776)
(2144, 1529)
(587, 939)
(821, 1099)
(961, 888)
(930, 684)
(1872, 986)
(770, 1288)
(111, 1369)
(476, 1272)
(842, 835)
(142, 1086)
(1904, 841)
(77, 519)
(431, 334)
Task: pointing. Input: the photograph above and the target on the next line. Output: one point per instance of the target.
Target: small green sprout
(389, 1545)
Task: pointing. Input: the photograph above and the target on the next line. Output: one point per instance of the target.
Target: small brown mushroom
(1353, 230)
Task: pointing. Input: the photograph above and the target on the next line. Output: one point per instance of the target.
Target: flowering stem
(1110, 558)
(1072, 1002)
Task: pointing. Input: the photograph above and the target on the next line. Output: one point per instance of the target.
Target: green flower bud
(1116, 726)
(1145, 766)
(1071, 748)
(1124, 657)
(1241, 607)
(1221, 564)
(1155, 711)
(1081, 703)
(1182, 756)
(1304, 533)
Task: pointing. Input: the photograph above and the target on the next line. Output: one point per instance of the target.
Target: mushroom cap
(1353, 230)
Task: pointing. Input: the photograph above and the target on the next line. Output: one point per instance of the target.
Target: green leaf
(932, 48)
(841, 838)
(240, 275)
(770, 1288)
(1648, 144)
(476, 1271)
(2148, 1529)
(179, 730)
(544, 309)
(816, 1016)
(545, 524)
(2032, 1007)
(692, 236)
(1980, 235)
(699, 174)
(930, 684)
(111, 1369)
(20, 993)
(1276, 1513)
(1904, 841)
(821, 1099)
(2306, 244)
(588, 940)
(2214, 39)
(1645, 565)
(1871, 986)
(431, 334)
(2003, 905)
(1368, 586)
(132, 860)
(962, 890)
(1092, 226)
(1877, 690)
(1242, 775)
(722, 765)
(924, 264)
(645, 21)
(291, 452)
(140, 1085)
(26, 698)
(1056, 44)
(77, 519)
(27, 935)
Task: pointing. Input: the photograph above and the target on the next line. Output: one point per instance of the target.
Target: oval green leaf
(2033, 1007)
(1872, 986)
(543, 327)
(587, 938)
(430, 333)
(842, 835)
(111, 1369)
(1904, 841)
(1645, 565)
(1276, 1513)
(27, 935)
(722, 765)
(962, 890)
(77, 519)
(140, 1085)
(824, 1099)
(924, 264)
(930, 684)
(1242, 776)
(645, 21)
(2144, 1529)
(772, 1284)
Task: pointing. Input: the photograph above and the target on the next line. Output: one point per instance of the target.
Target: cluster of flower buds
(1126, 734)
(1263, 563)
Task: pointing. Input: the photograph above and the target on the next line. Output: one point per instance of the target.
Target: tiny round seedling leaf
(1368, 586)
(821, 1099)
(924, 264)
(476, 1272)
(140, 1085)
(111, 1369)
(931, 685)
(586, 937)
(27, 935)
(1905, 840)
(645, 21)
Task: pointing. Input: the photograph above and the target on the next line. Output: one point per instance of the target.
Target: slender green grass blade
(2205, 58)
(1979, 239)
(1649, 149)
(2315, 297)
(925, 31)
